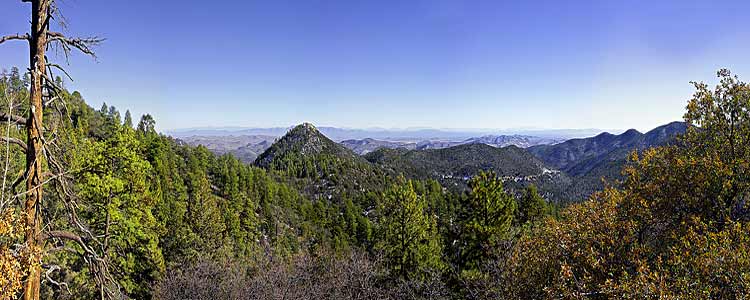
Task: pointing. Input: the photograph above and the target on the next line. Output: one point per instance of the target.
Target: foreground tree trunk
(43, 92)
(40, 18)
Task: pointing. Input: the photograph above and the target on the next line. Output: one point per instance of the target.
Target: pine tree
(147, 124)
(486, 218)
(128, 119)
(531, 206)
(408, 237)
(115, 201)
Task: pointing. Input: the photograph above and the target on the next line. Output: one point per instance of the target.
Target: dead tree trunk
(43, 92)
(40, 10)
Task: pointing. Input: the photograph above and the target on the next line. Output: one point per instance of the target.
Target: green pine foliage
(407, 234)
(114, 198)
(486, 219)
(531, 206)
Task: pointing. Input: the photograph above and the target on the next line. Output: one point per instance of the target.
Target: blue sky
(396, 64)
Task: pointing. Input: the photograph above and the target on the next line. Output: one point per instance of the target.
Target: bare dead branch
(14, 141)
(82, 44)
(50, 101)
(56, 66)
(6, 117)
(25, 37)
(60, 285)
(67, 235)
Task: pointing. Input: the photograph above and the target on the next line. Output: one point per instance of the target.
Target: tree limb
(82, 44)
(16, 36)
(14, 141)
(67, 235)
(60, 285)
(56, 66)
(6, 117)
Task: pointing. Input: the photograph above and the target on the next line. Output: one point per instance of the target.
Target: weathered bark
(40, 10)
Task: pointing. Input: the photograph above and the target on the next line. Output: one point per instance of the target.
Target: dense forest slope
(454, 166)
(320, 167)
(579, 156)
(589, 160)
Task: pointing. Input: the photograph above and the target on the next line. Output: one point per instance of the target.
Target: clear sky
(396, 64)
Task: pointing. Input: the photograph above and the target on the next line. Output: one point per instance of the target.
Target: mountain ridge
(318, 166)
(568, 154)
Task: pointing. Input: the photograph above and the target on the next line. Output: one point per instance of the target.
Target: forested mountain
(566, 172)
(589, 160)
(578, 156)
(454, 166)
(321, 167)
(459, 162)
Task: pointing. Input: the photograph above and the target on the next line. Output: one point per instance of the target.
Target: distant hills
(588, 160)
(580, 156)
(368, 145)
(248, 147)
(564, 170)
(244, 147)
(402, 135)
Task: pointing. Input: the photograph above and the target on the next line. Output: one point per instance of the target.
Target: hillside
(455, 165)
(320, 167)
(589, 159)
(579, 156)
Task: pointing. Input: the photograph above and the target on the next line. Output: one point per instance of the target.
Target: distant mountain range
(403, 135)
(580, 156)
(368, 145)
(248, 147)
(564, 170)
(590, 160)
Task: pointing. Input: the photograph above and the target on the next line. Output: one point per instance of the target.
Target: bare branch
(58, 284)
(6, 117)
(82, 44)
(50, 101)
(67, 235)
(14, 141)
(56, 66)
(16, 36)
